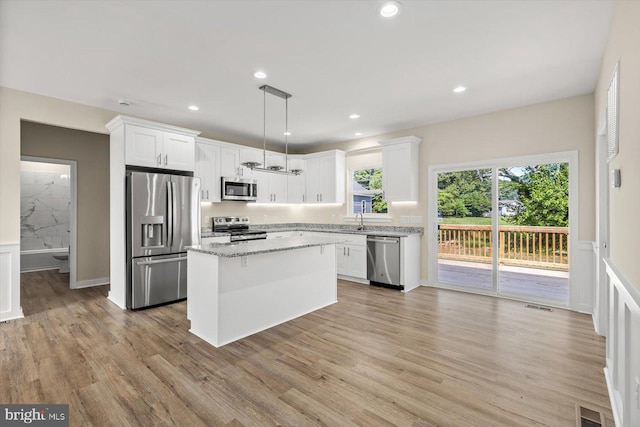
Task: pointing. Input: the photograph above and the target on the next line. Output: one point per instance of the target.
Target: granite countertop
(370, 230)
(253, 247)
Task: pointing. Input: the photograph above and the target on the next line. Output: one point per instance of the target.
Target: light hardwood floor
(377, 357)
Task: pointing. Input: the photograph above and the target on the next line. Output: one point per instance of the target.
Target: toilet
(64, 261)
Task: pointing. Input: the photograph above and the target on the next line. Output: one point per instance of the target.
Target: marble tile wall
(45, 205)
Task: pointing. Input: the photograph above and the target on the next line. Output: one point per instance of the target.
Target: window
(366, 192)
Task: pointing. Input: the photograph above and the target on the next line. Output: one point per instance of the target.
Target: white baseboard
(10, 282)
(93, 282)
(583, 278)
(425, 283)
(353, 279)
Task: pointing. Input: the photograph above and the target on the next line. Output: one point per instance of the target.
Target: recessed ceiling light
(460, 89)
(194, 107)
(124, 102)
(389, 9)
(287, 133)
(260, 75)
(358, 134)
(354, 116)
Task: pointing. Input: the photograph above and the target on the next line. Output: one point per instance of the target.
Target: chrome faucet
(361, 227)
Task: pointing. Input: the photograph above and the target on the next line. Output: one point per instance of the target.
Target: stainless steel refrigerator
(163, 217)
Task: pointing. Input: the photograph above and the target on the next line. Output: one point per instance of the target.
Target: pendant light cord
(264, 128)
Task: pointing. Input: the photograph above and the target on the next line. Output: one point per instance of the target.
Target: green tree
(542, 194)
(464, 193)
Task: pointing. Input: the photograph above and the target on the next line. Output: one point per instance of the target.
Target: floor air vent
(586, 417)
(538, 307)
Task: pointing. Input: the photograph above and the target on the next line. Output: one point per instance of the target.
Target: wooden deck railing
(538, 247)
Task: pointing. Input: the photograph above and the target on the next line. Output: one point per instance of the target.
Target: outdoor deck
(532, 282)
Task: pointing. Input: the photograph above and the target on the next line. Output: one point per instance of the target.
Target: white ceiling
(335, 57)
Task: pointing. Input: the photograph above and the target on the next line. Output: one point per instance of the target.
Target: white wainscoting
(623, 348)
(10, 282)
(583, 278)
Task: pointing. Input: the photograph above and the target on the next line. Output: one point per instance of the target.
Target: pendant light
(276, 169)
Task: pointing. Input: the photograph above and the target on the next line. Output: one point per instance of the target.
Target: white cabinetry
(272, 187)
(208, 170)
(229, 162)
(325, 177)
(296, 184)
(352, 255)
(149, 144)
(400, 172)
(296, 188)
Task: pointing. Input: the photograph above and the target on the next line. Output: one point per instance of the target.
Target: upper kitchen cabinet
(325, 177)
(296, 188)
(208, 169)
(230, 161)
(156, 145)
(400, 171)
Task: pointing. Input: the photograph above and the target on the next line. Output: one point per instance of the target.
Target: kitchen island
(235, 290)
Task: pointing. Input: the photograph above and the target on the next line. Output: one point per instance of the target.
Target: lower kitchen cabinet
(352, 260)
(352, 256)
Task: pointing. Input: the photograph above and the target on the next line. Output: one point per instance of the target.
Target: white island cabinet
(237, 290)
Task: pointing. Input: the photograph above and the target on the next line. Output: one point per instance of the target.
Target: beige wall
(624, 46)
(91, 152)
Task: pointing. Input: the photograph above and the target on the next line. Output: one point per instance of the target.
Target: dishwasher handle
(379, 239)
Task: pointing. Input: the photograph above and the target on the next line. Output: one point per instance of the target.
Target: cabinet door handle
(303, 198)
(344, 251)
(166, 159)
(348, 251)
(160, 159)
(202, 194)
(320, 196)
(207, 194)
(317, 197)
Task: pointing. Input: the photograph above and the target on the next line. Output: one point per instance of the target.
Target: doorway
(48, 216)
(505, 227)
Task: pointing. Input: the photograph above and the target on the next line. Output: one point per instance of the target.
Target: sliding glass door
(464, 229)
(534, 236)
(503, 230)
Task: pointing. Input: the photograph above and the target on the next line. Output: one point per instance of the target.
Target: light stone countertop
(253, 247)
(370, 230)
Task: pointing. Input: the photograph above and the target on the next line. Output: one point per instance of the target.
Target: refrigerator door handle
(161, 261)
(174, 204)
(169, 214)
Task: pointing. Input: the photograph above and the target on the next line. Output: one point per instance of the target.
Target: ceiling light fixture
(260, 75)
(358, 134)
(459, 89)
(390, 9)
(254, 165)
(354, 116)
(194, 107)
(124, 103)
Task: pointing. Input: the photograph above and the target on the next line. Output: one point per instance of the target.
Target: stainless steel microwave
(239, 189)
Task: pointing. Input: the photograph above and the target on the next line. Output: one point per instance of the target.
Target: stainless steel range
(238, 227)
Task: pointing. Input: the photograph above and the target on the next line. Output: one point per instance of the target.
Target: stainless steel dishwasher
(383, 261)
